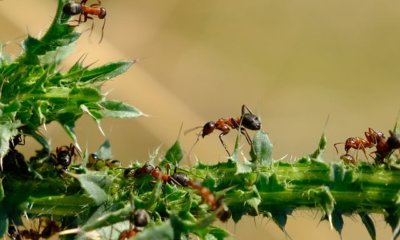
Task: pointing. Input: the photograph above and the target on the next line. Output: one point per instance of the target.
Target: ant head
(251, 121)
(102, 13)
(72, 8)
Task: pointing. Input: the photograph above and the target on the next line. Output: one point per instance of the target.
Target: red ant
(137, 220)
(372, 139)
(208, 197)
(246, 121)
(73, 8)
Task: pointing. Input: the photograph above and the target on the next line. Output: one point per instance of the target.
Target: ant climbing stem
(74, 8)
(247, 120)
(372, 138)
(216, 204)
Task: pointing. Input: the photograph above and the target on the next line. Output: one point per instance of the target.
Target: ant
(137, 220)
(14, 160)
(372, 138)
(385, 148)
(48, 231)
(246, 121)
(182, 179)
(73, 8)
(63, 157)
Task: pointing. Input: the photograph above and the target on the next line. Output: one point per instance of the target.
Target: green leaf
(117, 109)
(104, 152)
(323, 198)
(369, 225)
(317, 154)
(103, 219)
(96, 185)
(7, 132)
(162, 231)
(3, 221)
(261, 151)
(105, 72)
(337, 222)
(174, 155)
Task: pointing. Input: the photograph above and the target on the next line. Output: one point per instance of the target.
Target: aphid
(73, 8)
(63, 157)
(246, 121)
(137, 220)
(371, 140)
(183, 180)
(95, 163)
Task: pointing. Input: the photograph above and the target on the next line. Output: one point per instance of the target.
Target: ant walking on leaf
(86, 12)
(247, 120)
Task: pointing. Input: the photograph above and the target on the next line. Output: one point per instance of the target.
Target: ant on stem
(182, 179)
(73, 8)
(247, 120)
(372, 138)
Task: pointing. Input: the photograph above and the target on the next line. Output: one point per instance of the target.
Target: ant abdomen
(208, 128)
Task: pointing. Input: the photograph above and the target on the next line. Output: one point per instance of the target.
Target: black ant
(73, 8)
(372, 138)
(246, 121)
(385, 148)
(49, 230)
(137, 220)
(208, 197)
(14, 160)
(63, 157)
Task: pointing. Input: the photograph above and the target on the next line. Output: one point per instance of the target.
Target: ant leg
(244, 132)
(102, 30)
(334, 145)
(83, 2)
(222, 141)
(365, 153)
(244, 108)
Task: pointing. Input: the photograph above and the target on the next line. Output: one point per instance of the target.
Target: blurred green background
(294, 63)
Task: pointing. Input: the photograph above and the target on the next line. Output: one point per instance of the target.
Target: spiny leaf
(323, 198)
(7, 132)
(117, 109)
(103, 219)
(337, 222)
(96, 185)
(369, 225)
(104, 152)
(3, 221)
(174, 154)
(317, 154)
(261, 151)
(105, 72)
(161, 231)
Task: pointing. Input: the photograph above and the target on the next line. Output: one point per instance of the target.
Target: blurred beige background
(294, 63)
